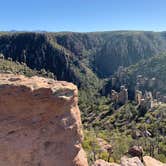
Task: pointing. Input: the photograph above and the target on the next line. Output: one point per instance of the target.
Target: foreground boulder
(40, 123)
(125, 161)
(149, 161)
(134, 161)
(104, 163)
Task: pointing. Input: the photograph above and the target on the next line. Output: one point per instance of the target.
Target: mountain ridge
(100, 52)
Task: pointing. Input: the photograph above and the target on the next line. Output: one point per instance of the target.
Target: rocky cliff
(40, 123)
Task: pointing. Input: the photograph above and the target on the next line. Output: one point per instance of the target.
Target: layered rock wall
(40, 123)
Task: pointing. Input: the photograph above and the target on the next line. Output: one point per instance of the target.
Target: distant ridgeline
(71, 56)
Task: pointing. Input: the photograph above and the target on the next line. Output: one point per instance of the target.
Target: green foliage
(119, 142)
(91, 146)
(22, 68)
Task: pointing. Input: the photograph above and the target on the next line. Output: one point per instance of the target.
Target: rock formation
(40, 123)
(136, 151)
(149, 161)
(125, 161)
(104, 163)
(134, 161)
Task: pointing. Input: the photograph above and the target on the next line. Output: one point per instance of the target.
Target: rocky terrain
(135, 161)
(40, 122)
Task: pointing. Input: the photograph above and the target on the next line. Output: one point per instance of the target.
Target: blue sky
(82, 15)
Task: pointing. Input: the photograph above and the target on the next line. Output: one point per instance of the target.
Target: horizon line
(70, 31)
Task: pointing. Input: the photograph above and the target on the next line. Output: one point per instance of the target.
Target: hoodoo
(40, 122)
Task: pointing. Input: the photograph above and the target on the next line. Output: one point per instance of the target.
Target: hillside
(132, 125)
(124, 128)
(152, 68)
(66, 54)
(152, 71)
(127, 48)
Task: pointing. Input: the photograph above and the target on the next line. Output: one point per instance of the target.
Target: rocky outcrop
(104, 163)
(125, 161)
(40, 123)
(134, 161)
(149, 161)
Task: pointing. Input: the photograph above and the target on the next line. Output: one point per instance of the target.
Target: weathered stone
(123, 95)
(104, 163)
(136, 151)
(149, 161)
(40, 123)
(135, 161)
(138, 96)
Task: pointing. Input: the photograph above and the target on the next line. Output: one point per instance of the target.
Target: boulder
(125, 161)
(104, 163)
(136, 151)
(149, 161)
(134, 161)
(40, 123)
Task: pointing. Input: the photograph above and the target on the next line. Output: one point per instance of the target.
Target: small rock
(136, 151)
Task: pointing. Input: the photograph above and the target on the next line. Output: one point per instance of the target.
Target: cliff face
(40, 123)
